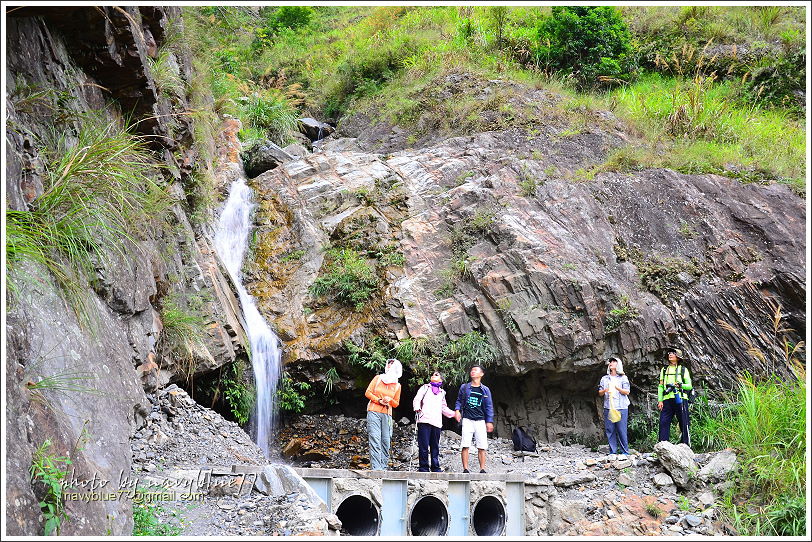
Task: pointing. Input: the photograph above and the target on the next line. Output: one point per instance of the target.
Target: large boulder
(278, 479)
(577, 478)
(556, 277)
(719, 467)
(678, 460)
(314, 129)
(263, 156)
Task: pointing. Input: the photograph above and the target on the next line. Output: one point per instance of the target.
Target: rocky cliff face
(81, 385)
(501, 234)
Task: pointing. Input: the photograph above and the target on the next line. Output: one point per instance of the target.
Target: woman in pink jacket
(430, 407)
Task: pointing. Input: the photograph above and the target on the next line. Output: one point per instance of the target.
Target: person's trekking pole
(411, 455)
(687, 420)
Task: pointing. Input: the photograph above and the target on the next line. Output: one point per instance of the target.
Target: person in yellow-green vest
(675, 381)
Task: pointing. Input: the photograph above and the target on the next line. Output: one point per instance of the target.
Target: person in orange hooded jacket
(384, 395)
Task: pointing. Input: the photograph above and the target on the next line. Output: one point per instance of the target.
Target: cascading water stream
(231, 243)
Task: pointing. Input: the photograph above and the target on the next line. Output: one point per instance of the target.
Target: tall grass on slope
(183, 335)
(766, 424)
(269, 112)
(707, 132)
(166, 74)
(767, 427)
(97, 189)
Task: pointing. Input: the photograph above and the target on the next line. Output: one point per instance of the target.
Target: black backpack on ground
(522, 441)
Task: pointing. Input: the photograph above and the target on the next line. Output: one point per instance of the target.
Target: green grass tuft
(183, 333)
(97, 188)
(347, 277)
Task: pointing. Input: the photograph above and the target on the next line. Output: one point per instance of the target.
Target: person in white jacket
(430, 406)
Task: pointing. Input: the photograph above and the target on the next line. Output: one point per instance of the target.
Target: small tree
(591, 43)
(498, 16)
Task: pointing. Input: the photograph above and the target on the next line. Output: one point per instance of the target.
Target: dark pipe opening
(488, 517)
(429, 517)
(359, 517)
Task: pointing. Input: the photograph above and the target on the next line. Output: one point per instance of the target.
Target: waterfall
(231, 243)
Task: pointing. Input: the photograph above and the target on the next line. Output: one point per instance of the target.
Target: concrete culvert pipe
(488, 517)
(429, 517)
(359, 516)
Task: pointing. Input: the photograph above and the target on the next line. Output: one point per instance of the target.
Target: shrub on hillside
(778, 81)
(364, 70)
(290, 17)
(271, 113)
(593, 44)
(281, 20)
(347, 277)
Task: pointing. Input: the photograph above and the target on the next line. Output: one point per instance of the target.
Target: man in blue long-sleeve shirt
(475, 409)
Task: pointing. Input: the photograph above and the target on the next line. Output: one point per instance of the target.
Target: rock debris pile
(180, 432)
(186, 449)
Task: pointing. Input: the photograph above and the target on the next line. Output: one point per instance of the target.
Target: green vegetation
(389, 255)
(32, 98)
(291, 395)
(223, 41)
(239, 394)
(591, 44)
(330, 378)
(764, 421)
(666, 277)
(65, 380)
(347, 277)
(183, 333)
(705, 131)
(372, 355)
(624, 312)
(288, 17)
(146, 515)
(166, 74)
(47, 477)
(724, 109)
(462, 236)
(528, 187)
(293, 255)
(643, 428)
(766, 69)
(270, 113)
(653, 510)
(452, 358)
(96, 190)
